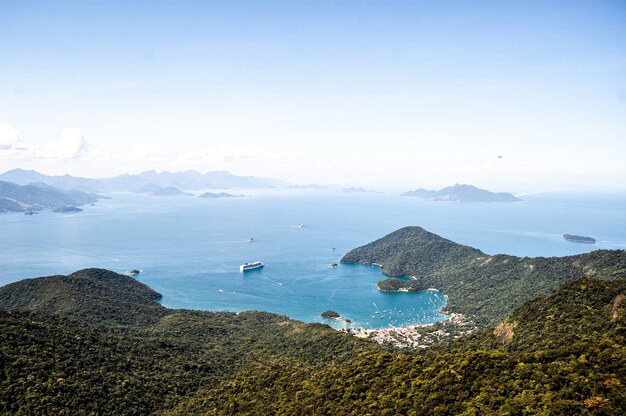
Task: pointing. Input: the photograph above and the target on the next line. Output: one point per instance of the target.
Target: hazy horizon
(507, 96)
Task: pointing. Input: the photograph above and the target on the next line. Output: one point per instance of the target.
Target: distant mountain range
(187, 180)
(37, 196)
(462, 193)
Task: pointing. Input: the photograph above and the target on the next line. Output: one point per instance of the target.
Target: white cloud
(70, 145)
(226, 154)
(145, 152)
(9, 138)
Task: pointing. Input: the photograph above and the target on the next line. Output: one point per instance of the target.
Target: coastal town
(418, 336)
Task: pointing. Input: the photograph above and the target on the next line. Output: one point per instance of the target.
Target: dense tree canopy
(96, 342)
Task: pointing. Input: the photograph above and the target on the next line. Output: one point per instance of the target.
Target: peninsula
(38, 196)
(394, 284)
(479, 285)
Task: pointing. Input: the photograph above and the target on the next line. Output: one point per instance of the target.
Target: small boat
(334, 265)
(251, 240)
(300, 225)
(250, 266)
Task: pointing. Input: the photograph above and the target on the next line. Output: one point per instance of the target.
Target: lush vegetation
(583, 379)
(63, 350)
(582, 310)
(394, 284)
(572, 361)
(91, 295)
(487, 288)
(96, 341)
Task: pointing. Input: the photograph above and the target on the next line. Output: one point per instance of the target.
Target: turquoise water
(190, 248)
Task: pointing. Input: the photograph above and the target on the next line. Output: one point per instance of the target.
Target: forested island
(579, 238)
(462, 193)
(67, 209)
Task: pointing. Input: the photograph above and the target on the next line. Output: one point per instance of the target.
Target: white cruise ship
(250, 266)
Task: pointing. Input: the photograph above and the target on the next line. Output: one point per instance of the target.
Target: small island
(394, 284)
(67, 209)
(330, 315)
(219, 195)
(155, 190)
(461, 193)
(358, 190)
(579, 238)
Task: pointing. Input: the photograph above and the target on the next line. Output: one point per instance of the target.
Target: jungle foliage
(394, 284)
(564, 354)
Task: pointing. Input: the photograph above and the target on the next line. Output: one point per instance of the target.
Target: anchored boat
(250, 266)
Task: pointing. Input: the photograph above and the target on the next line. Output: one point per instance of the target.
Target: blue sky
(379, 93)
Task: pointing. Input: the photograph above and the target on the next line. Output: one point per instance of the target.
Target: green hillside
(572, 361)
(96, 341)
(485, 287)
(93, 295)
(581, 310)
(559, 354)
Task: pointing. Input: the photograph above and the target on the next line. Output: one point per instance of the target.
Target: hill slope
(552, 366)
(96, 341)
(486, 287)
(64, 356)
(92, 295)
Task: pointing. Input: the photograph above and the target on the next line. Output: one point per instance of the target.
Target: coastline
(417, 336)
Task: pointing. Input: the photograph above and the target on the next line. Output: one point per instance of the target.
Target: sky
(512, 96)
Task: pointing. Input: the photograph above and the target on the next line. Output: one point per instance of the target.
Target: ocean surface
(190, 248)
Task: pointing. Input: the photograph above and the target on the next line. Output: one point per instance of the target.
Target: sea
(189, 249)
